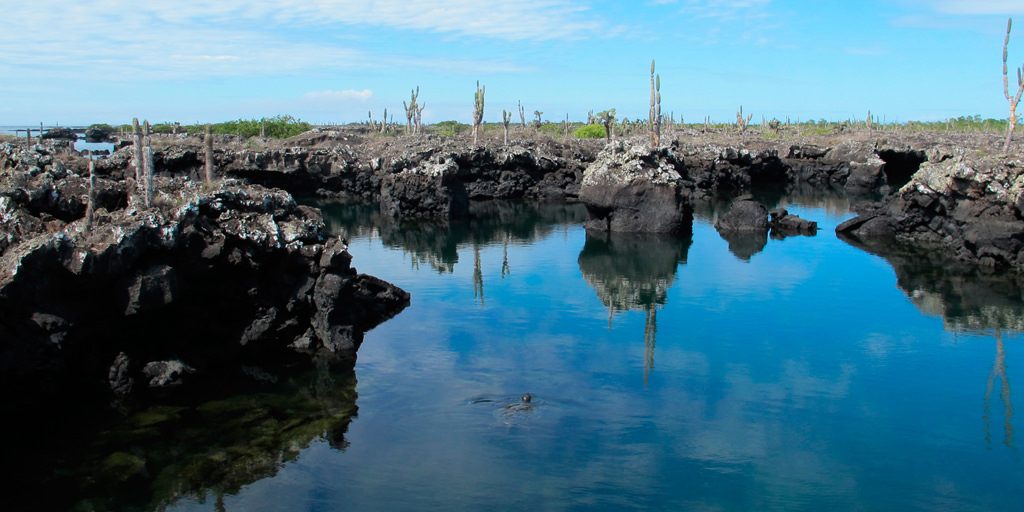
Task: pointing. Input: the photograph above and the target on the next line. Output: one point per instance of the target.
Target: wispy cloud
(724, 9)
(117, 40)
(346, 95)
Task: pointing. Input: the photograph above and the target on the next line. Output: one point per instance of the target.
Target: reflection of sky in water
(801, 379)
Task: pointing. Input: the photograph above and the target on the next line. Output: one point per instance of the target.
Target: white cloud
(122, 41)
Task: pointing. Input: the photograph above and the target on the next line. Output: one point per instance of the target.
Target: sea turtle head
(526, 398)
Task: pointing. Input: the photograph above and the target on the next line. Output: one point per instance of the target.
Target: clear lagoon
(665, 373)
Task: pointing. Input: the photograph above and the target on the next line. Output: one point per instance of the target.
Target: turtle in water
(511, 407)
(525, 404)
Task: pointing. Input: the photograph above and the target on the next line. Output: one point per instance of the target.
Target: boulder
(162, 374)
(784, 224)
(630, 188)
(96, 134)
(745, 227)
(745, 214)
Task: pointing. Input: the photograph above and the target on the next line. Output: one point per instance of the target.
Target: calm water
(666, 374)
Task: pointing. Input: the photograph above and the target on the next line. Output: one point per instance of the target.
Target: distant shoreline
(19, 129)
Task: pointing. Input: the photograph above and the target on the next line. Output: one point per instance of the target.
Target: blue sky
(335, 60)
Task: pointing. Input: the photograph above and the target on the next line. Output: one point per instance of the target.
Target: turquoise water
(666, 374)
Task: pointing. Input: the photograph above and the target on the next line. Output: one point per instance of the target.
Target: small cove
(675, 375)
(668, 373)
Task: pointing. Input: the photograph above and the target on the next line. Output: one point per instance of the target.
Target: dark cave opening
(900, 166)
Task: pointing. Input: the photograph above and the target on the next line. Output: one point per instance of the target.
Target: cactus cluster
(742, 122)
(1015, 99)
(143, 153)
(413, 113)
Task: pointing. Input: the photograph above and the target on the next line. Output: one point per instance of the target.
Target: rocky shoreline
(168, 272)
(215, 283)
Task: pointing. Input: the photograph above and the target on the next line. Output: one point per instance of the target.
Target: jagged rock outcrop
(967, 206)
(60, 133)
(633, 189)
(429, 190)
(208, 280)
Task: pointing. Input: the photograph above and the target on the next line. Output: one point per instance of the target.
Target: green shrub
(590, 131)
(450, 128)
(103, 126)
(556, 130)
(277, 127)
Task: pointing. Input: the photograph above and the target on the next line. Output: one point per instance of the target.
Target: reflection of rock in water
(633, 272)
(436, 243)
(968, 299)
(156, 456)
(745, 244)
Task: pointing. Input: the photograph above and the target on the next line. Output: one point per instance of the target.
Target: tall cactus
(607, 118)
(137, 151)
(147, 164)
(478, 111)
(655, 115)
(522, 115)
(1014, 100)
(506, 118)
(209, 153)
(90, 205)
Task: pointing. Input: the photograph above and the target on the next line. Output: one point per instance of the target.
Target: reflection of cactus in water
(478, 275)
(999, 370)
(650, 331)
(633, 272)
